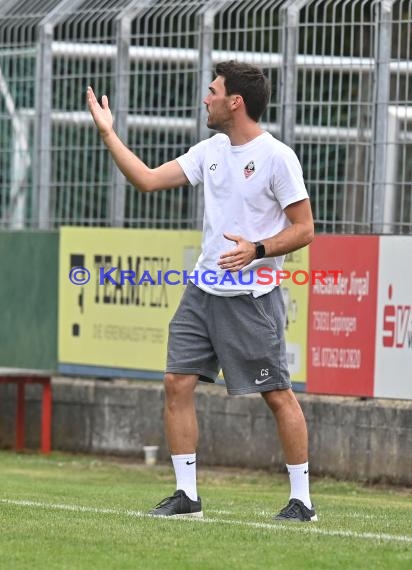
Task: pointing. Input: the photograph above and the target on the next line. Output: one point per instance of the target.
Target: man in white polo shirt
(256, 210)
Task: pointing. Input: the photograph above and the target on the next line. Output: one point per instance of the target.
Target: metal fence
(341, 74)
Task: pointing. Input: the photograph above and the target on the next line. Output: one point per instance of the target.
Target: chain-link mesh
(399, 138)
(341, 75)
(334, 110)
(18, 37)
(163, 97)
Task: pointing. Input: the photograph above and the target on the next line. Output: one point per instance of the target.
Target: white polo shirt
(246, 189)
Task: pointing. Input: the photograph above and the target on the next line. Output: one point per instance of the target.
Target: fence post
(289, 17)
(43, 107)
(121, 111)
(121, 102)
(381, 207)
(42, 125)
(206, 28)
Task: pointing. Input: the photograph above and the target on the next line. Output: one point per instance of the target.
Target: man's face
(217, 105)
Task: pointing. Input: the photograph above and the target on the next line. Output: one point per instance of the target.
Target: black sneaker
(296, 511)
(179, 505)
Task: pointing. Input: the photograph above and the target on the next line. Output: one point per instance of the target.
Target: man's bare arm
(145, 179)
(300, 233)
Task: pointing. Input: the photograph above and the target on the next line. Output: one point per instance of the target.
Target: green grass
(82, 512)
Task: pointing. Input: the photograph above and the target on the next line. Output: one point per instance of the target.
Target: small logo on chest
(249, 169)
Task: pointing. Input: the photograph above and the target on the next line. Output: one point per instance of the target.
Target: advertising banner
(393, 375)
(112, 322)
(296, 299)
(342, 315)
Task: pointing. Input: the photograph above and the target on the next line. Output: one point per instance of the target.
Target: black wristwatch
(260, 249)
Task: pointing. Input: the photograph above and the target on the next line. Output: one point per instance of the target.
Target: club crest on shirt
(249, 169)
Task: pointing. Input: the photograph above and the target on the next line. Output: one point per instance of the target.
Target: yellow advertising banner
(104, 319)
(107, 321)
(296, 299)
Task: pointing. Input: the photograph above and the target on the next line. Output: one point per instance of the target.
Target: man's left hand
(236, 259)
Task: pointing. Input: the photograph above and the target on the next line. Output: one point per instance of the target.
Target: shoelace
(290, 510)
(165, 501)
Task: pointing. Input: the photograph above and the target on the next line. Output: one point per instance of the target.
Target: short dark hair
(248, 81)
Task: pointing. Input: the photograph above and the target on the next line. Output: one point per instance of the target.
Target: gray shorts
(242, 335)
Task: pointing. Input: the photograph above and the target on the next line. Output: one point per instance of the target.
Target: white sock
(185, 470)
(299, 483)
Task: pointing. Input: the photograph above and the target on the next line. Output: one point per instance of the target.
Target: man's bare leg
(293, 435)
(181, 429)
(291, 424)
(180, 413)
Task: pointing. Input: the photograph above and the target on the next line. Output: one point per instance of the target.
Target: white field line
(294, 527)
(347, 515)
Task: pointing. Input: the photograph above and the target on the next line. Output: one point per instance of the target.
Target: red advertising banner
(342, 315)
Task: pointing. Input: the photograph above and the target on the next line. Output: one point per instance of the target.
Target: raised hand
(101, 114)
